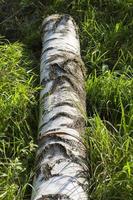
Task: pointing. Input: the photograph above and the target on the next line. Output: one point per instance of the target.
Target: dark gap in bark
(65, 32)
(41, 100)
(62, 50)
(57, 115)
(82, 99)
(38, 168)
(44, 82)
(51, 149)
(79, 160)
(60, 20)
(79, 65)
(52, 176)
(56, 18)
(56, 138)
(47, 30)
(59, 80)
(54, 130)
(65, 55)
(57, 22)
(64, 104)
(63, 67)
(46, 23)
(58, 66)
(52, 138)
(44, 43)
(51, 59)
(73, 144)
(47, 49)
(46, 169)
(38, 171)
(78, 124)
(74, 60)
(55, 197)
(76, 28)
(50, 133)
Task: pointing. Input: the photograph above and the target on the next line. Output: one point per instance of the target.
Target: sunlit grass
(16, 134)
(110, 162)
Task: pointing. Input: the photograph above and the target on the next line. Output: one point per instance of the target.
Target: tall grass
(16, 115)
(110, 94)
(110, 136)
(110, 161)
(106, 30)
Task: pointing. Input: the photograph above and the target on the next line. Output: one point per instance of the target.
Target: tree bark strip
(60, 157)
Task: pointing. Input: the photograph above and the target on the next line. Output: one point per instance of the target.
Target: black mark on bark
(55, 197)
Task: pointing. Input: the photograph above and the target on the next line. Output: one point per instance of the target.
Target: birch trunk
(61, 154)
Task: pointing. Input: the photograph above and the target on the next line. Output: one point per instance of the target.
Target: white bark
(61, 154)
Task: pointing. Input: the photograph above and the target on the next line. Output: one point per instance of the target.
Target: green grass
(106, 30)
(110, 158)
(110, 94)
(16, 115)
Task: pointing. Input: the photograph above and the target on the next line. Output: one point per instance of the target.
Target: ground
(106, 37)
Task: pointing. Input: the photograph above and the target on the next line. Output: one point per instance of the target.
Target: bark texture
(61, 154)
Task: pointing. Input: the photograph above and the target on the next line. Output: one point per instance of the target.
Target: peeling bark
(60, 157)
